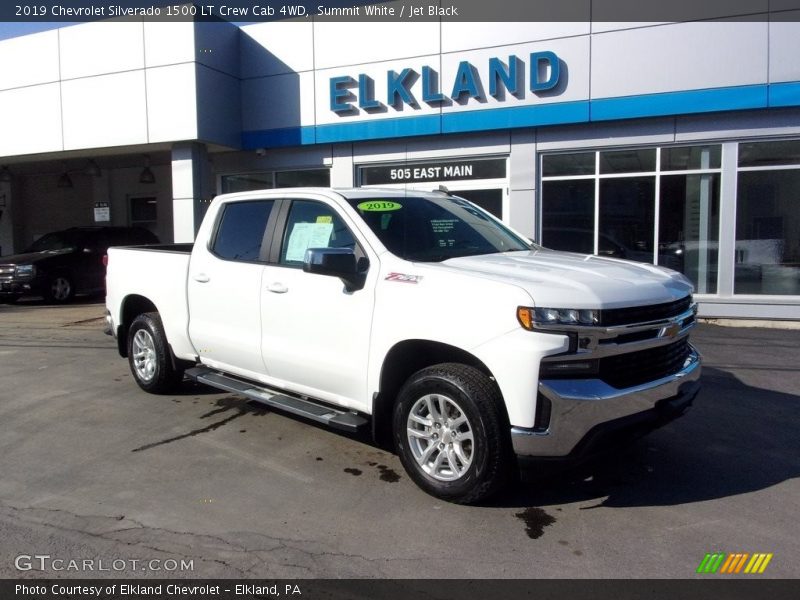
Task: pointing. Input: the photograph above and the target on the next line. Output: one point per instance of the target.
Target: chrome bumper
(579, 405)
(108, 328)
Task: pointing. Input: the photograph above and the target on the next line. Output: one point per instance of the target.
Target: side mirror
(335, 262)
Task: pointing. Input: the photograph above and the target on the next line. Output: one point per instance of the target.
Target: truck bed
(157, 273)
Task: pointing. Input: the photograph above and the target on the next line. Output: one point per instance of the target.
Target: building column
(6, 220)
(342, 166)
(191, 189)
(521, 213)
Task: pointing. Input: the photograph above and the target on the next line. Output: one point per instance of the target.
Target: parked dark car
(64, 263)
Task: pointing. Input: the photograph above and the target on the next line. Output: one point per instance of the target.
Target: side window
(312, 225)
(241, 230)
(94, 241)
(114, 237)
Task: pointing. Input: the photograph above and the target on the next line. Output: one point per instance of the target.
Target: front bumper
(108, 327)
(15, 289)
(584, 409)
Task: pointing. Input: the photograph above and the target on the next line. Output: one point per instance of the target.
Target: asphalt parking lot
(94, 468)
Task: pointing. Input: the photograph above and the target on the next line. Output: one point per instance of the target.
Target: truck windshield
(435, 229)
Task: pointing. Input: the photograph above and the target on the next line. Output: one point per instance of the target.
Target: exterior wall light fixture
(147, 175)
(65, 181)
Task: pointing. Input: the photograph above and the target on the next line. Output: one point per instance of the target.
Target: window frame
(282, 220)
(597, 176)
(263, 252)
(737, 170)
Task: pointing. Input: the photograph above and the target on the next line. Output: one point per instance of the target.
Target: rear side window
(241, 230)
(139, 235)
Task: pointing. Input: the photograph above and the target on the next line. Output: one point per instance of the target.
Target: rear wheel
(149, 355)
(449, 433)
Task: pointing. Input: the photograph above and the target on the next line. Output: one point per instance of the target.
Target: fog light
(566, 368)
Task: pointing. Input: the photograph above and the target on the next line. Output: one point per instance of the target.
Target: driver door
(315, 334)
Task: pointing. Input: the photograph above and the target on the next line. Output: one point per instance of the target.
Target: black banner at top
(246, 11)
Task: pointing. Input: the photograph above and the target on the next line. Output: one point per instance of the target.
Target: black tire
(150, 357)
(458, 390)
(60, 289)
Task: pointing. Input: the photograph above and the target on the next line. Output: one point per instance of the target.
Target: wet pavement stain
(535, 521)
(240, 405)
(353, 471)
(388, 474)
(320, 458)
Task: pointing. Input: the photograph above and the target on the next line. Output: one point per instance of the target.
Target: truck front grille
(6, 272)
(635, 368)
(644, 314)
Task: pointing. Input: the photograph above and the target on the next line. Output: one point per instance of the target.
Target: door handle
(201, 278)
(277, 288)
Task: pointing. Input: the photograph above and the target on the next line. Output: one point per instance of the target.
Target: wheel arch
(132, 306)
(403, 360)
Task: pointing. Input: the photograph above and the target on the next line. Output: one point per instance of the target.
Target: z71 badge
(402, 277)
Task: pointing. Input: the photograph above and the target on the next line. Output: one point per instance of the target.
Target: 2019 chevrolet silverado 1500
(417, 314)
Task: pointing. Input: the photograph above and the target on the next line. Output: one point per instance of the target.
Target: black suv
(64, 263)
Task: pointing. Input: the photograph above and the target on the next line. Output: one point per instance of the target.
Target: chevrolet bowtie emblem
(670, 331)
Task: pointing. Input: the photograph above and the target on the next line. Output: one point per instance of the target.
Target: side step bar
(333, 417)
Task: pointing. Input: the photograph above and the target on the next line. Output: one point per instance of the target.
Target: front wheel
(449, 433)
(60, 289)
(149, 355)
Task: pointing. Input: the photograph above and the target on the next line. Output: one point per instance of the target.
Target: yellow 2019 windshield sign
(379, 206)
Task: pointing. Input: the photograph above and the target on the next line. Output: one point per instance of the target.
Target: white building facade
(672, 143)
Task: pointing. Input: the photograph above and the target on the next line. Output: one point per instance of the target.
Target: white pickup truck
(463, 345)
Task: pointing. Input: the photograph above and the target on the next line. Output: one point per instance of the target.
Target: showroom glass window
(767, 255)
(245, 182)
(655, 205)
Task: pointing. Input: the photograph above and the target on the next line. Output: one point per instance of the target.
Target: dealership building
(671, 143)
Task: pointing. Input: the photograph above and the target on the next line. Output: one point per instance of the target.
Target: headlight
(530, 318)
(25, 271)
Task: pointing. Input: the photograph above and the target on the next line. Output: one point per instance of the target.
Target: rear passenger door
(224, 288)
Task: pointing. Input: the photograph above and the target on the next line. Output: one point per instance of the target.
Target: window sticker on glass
(307, 235)
(325, 219)
(379, 206)
(443, 225)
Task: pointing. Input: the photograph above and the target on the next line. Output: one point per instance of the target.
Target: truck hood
(30, 258)
(566, 280)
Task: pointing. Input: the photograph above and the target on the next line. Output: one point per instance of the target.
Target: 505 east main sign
(541, 69)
